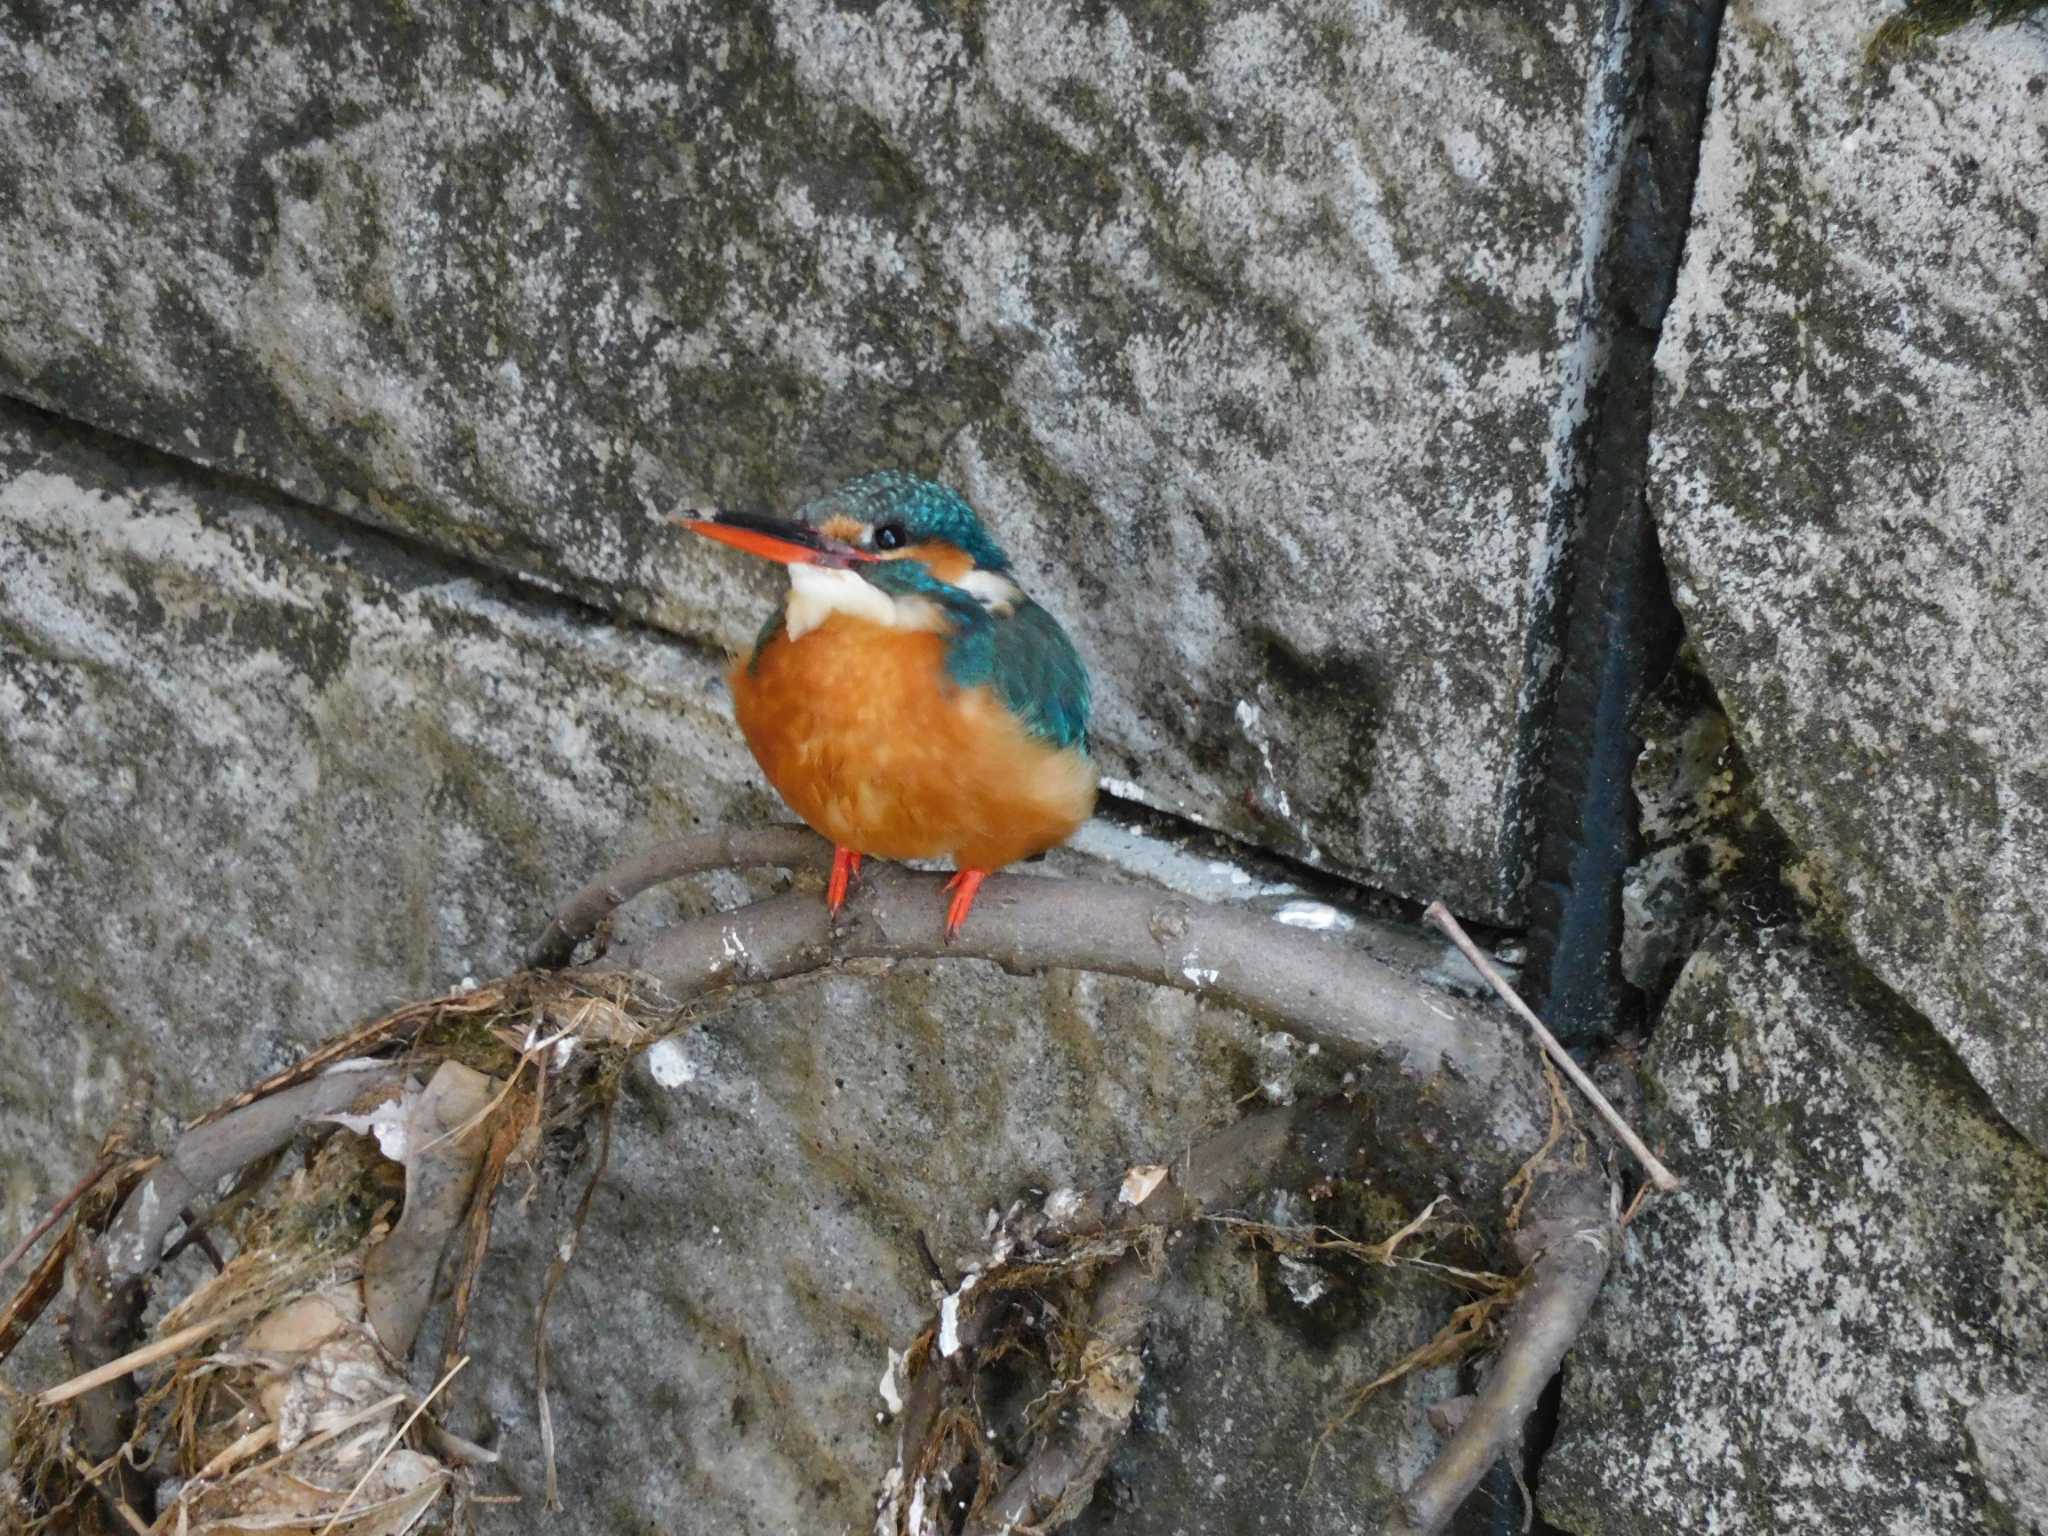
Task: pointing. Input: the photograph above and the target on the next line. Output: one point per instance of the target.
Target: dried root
(275, 1395)
(1025, 1385)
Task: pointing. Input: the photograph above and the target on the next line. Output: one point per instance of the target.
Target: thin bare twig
(1576, 1224)
(118, 1504)
(47, 1278)
(1441, 1073)
(76, 1193)
(1636, 1203)
(248, 1184)
(565, 1255)
(126, 1365)
(476, 1225)
(1662, 1177)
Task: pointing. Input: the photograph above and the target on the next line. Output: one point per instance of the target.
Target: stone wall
(352, 358)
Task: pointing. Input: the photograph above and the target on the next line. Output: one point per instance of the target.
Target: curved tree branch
(735, 848)
(1447, 1088)
(1436, 1091)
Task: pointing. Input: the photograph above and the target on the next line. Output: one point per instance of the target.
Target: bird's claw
(964, 886)
(845, 870)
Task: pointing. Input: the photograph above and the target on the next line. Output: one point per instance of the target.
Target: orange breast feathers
(859, 728)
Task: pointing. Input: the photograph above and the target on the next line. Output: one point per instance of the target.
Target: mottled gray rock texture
(1252, 329)
(727, 1326)
(1851, 482)
(2009, 1447)
(263, 774)
(1709, 849)
(1858, 1259)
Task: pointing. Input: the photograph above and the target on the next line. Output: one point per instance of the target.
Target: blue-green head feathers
(999, 638)
(905, 509)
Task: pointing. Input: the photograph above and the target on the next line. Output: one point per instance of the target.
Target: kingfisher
(906, 698)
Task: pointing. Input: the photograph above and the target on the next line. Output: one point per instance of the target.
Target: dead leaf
(1140, 1182)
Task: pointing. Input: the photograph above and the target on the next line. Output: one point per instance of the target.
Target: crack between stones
(411, 562)
(404, 560)
(1613, 629)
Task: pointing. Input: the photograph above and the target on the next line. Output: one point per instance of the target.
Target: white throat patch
(815, 594)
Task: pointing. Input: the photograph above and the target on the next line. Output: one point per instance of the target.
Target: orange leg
(964, 887)
(845, 869)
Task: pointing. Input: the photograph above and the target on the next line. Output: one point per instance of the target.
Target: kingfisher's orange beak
(786, 543)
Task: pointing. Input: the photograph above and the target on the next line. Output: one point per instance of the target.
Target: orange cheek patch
(844, 529)
(945, 561)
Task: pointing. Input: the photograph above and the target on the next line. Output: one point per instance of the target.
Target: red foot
(964, 886)
(845, 868)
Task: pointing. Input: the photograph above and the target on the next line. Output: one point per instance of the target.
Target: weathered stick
(1570, 1236)
(137, 1359)
(1662, 1177)
(736, 848)
(1313, 985)
(1057, 1483)
(113, 1273)
(47, 1278)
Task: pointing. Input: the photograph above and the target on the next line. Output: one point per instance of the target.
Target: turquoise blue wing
(1040, 675)
(1024, 655)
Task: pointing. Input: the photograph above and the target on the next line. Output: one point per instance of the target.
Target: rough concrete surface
(726, 1327)
(1851, 484)
(264, 774)
(2009, 1449)
(1252, 328)
(1797, 1341)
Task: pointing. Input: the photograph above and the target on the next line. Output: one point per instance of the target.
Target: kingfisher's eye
(891, 536)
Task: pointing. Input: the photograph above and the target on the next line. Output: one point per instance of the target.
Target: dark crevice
(1616, 628)
(405, 562)
(1711, 848)
(1500, 1504)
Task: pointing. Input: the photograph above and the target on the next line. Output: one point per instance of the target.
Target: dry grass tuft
(268, 1399)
